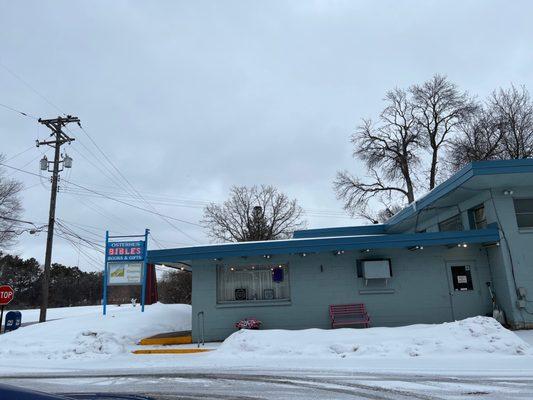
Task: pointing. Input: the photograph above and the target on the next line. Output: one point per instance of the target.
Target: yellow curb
(166, 340)
(170, 351)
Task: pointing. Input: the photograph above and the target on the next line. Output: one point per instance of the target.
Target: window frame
(250, 302)
(447, 220)
(517, 214)
(474, 223)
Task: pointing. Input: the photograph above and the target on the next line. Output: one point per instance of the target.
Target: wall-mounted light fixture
(338, 252)
(508, 192)
(417, 247)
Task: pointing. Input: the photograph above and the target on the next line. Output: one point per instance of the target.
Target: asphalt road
(283, 385)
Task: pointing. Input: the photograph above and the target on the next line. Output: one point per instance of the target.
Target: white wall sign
(124, 273)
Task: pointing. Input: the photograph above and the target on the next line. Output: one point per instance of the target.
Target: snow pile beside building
(478, 335)
(94, 335)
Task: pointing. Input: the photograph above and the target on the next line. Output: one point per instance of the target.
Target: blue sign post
(125, 264)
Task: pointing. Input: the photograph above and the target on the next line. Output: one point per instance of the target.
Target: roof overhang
(474, 178)
(320, 245)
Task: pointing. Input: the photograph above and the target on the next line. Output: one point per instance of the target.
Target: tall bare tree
(434, 117)
(389, 152)
(439, 107)
(513, 111)
(502, 129)
(478, 139)
(10, 209)
(253, 213)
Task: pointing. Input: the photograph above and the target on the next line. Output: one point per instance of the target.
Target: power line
(107, 197)
(198, 204)
(91, 261)
(25, 83)
(156, 212)
(19, 154)
(18, 220)
(27, 115)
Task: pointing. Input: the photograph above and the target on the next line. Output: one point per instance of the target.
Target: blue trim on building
(341, 231)
(318, 245)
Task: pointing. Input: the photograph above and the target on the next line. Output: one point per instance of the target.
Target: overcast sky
(190, 98)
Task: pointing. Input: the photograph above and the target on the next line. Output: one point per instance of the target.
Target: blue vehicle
(8, 392)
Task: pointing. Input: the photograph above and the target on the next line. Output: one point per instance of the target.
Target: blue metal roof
(341, 231)
(324, 244)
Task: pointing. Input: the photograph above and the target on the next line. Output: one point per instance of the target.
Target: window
(462, 278)
(524, 212)
(477, 217)
(253, 283)
(451, 224)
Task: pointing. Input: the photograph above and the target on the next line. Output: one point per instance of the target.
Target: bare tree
(513, 111)
(253, 213)
(478, 139)
(440, 107)
(389, 151)
(10, 209)
(503, 129)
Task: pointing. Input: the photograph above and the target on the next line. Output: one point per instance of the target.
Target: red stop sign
(6, 294)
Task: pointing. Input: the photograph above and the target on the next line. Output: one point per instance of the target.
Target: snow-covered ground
(87, 334)
(81, 340)
(32, 315)
(470, 337)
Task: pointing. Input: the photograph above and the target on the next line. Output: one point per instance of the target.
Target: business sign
(6, 295)
(125, 251)
(125, 264)
(124, 273)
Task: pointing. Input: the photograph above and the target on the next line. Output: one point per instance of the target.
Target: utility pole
(59, 138)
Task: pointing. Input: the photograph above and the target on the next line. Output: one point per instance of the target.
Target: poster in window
(462, 278)
(240, 294)
(277, 275)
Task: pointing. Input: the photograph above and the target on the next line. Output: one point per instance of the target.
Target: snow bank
(94, 335)
(478, 335)
(32, 315)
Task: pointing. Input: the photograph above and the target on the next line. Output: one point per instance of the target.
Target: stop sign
(6, 294)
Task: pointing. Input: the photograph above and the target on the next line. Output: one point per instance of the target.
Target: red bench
(348, 314)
